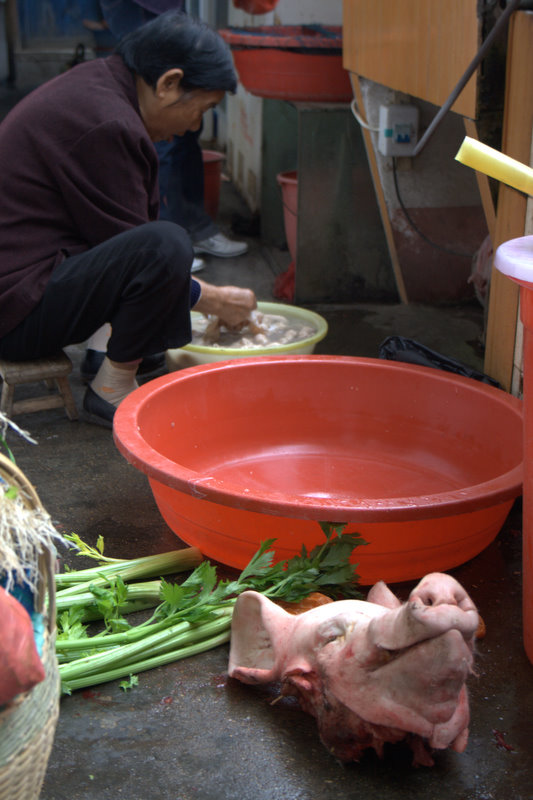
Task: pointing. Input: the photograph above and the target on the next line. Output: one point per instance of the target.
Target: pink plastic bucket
(289, 195)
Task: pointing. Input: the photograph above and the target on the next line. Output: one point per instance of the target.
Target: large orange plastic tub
(292, 62)
(423, 463)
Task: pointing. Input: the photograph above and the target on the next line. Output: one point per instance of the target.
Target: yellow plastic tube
(495, 164)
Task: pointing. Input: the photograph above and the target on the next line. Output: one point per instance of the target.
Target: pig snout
(441, 604)
(438, 589)
(437, 605)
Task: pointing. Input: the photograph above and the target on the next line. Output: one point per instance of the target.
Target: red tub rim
(285, 37)
(132, 445)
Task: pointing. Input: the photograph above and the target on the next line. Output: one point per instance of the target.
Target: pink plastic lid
(515, 259)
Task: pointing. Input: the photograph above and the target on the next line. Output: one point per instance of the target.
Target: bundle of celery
(190, 617)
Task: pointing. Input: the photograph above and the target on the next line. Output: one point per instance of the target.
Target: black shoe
(150, 367)
(97, 409)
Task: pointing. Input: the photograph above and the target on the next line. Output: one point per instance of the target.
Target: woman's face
(170, 110)
(186, 114)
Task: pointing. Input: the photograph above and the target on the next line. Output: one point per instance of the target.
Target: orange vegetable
(311, 601)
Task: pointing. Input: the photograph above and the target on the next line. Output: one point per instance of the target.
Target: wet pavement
(187, 732)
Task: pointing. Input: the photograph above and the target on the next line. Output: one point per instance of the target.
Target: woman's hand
(231, 304)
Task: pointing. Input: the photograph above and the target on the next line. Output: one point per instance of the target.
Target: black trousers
(181, 183)
(139, 281)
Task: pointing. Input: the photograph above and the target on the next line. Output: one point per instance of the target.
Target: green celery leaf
(203, 578)
(130, 683)
(331, 528)
(69, 625)
(118, 624)
(120, 589)
(172, 595)
(260, 561)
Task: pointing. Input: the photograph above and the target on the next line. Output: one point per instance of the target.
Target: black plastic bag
(397, 348)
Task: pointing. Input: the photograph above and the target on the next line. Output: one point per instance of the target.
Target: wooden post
(512, 205)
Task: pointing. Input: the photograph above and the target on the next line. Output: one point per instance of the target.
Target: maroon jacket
(76, 167)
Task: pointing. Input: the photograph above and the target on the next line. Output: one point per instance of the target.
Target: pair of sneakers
(217, 245)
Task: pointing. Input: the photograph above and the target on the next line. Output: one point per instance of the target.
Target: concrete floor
(187, 732)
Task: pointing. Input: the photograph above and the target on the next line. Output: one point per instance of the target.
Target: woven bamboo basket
(27, 725)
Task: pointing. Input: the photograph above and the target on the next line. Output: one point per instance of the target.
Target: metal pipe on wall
(456, 91)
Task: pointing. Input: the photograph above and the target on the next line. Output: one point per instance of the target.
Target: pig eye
(330, 630)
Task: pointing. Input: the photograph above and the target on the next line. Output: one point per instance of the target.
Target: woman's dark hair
(175, 40)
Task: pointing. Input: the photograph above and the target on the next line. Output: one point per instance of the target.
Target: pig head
(371, 671)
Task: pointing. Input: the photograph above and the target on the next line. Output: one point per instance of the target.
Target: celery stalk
(147, 592)
(130, 607)
(135, 569)
(139, 632)
(146, 664)
(153, 645)
(108, 640)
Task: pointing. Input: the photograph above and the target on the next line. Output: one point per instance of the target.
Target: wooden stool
(52, 370)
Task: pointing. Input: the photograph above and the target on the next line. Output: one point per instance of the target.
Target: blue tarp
(42, 19)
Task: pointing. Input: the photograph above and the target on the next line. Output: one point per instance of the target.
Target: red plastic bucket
(289, 195)
(212, 179)
(297, 77)
(292, 62)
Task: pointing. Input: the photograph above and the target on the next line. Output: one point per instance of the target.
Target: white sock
(113, 383)
(99, 339)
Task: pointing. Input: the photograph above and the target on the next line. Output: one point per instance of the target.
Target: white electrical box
(398, 130)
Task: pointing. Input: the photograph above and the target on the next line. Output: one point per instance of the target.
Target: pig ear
(382, 596)
(256, 626)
